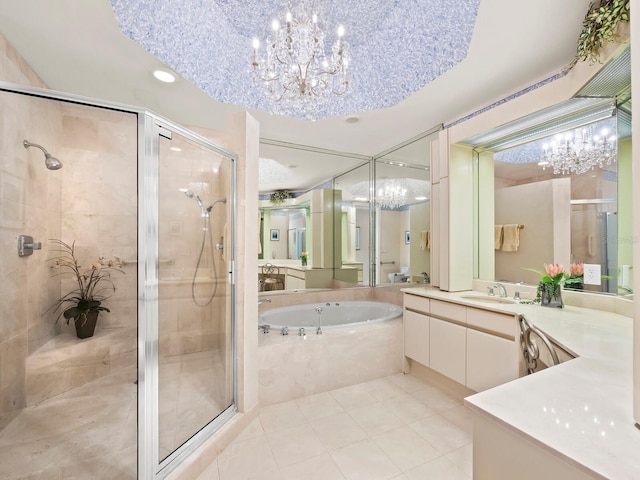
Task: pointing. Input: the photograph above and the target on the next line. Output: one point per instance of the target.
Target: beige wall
(544, 210)
(392, 246)
(419, 221)
(280, 222)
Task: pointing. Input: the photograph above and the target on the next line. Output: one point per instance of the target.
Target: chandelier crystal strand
(392, 195)
(579, 152)
(297, 75)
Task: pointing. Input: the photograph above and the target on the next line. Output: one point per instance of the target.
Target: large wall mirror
(358, 221)
(556, 188)
(403, 190)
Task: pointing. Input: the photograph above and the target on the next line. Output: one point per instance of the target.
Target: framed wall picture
(275, 235)
(407, 237)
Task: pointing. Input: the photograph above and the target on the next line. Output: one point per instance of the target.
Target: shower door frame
(148, 124)
(150, 128)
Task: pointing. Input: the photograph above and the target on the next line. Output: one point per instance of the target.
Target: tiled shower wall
(185, 327)
(99, 200)
(91, 200)
(29, 204)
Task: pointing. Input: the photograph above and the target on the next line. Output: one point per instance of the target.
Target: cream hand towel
(497, 233)
(424, 240)
(428, 239)
(511, 240)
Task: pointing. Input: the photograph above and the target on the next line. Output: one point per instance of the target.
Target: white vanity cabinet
(416, 328)
(448, 339)
(447, 344)
(493, 349)
(475, 347)
(416, 336)
(491, 360)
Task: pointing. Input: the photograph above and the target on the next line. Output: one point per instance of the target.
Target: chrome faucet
(319, 312)
(501, 290)
(264, 300)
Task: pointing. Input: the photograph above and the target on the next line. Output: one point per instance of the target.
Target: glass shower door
(195, 338)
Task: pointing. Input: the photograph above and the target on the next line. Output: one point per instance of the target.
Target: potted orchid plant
(93, 285)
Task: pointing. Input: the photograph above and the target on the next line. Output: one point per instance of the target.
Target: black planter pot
(85, 326)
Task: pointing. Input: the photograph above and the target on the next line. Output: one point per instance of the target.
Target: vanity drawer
(493, 322)
(416, 302)
(446, 310)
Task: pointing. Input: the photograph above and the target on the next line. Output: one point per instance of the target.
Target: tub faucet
(264, 300)
(285, 331)
(265, 328)
(301, 332)
(501, 290)
(319, 312)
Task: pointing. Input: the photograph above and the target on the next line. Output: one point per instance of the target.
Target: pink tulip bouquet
(576, 276)
(553, 277)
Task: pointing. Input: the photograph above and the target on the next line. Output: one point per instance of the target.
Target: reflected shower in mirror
(556, 201)
(564, 174)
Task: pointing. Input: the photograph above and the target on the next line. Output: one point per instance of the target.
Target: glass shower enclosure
(153, 204)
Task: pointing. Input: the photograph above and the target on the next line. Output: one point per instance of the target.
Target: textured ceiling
(397, 47)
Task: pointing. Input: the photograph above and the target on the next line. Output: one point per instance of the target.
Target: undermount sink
(488, 299)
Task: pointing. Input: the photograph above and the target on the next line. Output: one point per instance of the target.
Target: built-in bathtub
(360, 341)
(327, 315)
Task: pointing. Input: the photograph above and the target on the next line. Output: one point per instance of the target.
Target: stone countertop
(580, 410)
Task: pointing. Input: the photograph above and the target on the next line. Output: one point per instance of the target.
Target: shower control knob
(26, 245)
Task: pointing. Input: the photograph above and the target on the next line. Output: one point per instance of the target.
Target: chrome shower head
(52, 163)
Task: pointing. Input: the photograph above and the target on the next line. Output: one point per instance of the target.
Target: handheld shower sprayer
(190, 194)
(205, 210)
(52, 163)
(206, 227)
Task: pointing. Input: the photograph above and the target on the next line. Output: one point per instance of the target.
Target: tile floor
(86, 433)
(90, 432)
(397, 427)
(192, 392)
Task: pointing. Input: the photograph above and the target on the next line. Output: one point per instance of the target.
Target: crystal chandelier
(295, 71)
(579, 151)
(392, 193)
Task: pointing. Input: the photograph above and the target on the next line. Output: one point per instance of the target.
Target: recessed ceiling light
(175, 149)
(352, 119)
(421, 198)
(164, 76)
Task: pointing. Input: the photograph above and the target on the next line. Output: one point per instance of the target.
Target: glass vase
(304, 261)
(551, 297)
